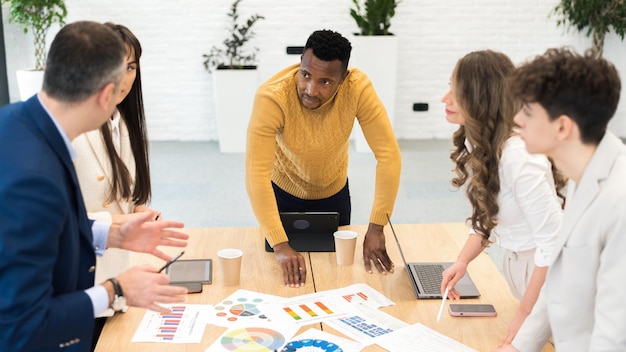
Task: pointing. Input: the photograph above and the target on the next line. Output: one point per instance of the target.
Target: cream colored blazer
(94, 176)
(582, 301)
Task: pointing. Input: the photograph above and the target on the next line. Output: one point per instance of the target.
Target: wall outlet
(420, 107)
(295, 50)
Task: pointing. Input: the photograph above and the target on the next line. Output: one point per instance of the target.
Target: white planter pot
(29, 82)
(234, 95)
(377, 56)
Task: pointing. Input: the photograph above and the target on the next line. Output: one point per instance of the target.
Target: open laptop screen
(426, 282)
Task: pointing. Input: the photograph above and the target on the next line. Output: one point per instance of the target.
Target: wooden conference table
(261, 273)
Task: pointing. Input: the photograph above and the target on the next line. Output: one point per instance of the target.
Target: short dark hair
(83, 57)
(328, 45)
(585, 88)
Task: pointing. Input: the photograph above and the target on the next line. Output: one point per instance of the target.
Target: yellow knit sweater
(305, 152)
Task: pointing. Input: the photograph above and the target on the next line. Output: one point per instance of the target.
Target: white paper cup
(345, 243)
(230, 264)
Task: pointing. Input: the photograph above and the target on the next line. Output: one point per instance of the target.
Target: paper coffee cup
(230, 264)
(345, 243)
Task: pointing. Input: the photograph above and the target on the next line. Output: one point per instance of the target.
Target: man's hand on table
(374, 250)
(292, 263)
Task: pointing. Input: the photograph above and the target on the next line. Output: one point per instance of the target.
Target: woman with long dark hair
(112, 162)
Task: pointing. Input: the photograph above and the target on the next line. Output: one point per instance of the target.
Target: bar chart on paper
(169, 324)
(184, 324)
(360, 293)
(308, 312)
(304, 310)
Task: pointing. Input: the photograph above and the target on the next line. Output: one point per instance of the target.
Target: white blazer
(94, 176)
(582, 301)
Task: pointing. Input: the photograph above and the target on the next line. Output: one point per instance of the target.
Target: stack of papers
(261, 322)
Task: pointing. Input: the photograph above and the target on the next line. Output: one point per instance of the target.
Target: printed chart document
(316, 340)
(420, 338)
(262, 337)
(361, 293)
(185, 324)
(305, 309)
(241, 307)
(363, 323)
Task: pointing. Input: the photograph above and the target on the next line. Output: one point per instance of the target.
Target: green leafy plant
(231, 56)
(38, 16)
(374, 16)
(598, 17)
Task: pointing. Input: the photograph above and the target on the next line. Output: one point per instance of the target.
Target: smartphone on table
(472, 310)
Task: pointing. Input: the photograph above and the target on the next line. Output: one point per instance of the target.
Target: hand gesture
(144, 286)
(140, 233)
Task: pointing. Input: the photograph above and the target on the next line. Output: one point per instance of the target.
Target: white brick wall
(432, 34)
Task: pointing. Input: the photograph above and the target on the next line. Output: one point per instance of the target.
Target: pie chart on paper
(244, 309)
(252, 339)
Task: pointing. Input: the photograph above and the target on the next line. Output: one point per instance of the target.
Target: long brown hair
(132, 112)
(480, 81)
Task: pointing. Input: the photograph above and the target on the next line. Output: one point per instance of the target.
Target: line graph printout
(305, 309)
(185, 324)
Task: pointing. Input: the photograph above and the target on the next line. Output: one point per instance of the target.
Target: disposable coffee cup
(345, 243)
(230, 264)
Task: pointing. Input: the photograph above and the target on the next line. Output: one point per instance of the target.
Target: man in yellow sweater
(297, 149)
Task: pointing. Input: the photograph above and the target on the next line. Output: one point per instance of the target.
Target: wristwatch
(119, 301)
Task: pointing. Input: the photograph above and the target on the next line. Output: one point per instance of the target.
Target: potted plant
(597, 16)
(234, 81)
(37, 16)
(374, 16)
(375, 52)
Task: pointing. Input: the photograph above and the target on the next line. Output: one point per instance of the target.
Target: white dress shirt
(529, 210)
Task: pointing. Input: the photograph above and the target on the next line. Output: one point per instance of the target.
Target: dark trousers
(339, 202)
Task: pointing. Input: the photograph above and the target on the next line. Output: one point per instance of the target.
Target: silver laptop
(426, 277)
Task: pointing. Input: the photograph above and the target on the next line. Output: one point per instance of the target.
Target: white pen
(443, 303)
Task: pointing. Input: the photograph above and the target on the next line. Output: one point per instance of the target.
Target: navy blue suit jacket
(46, 247)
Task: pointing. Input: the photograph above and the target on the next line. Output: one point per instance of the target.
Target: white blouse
(529, 210)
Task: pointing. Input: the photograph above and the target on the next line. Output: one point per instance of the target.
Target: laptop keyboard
(430, 277)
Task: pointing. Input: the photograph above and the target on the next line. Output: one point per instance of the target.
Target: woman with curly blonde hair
(513, 194)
